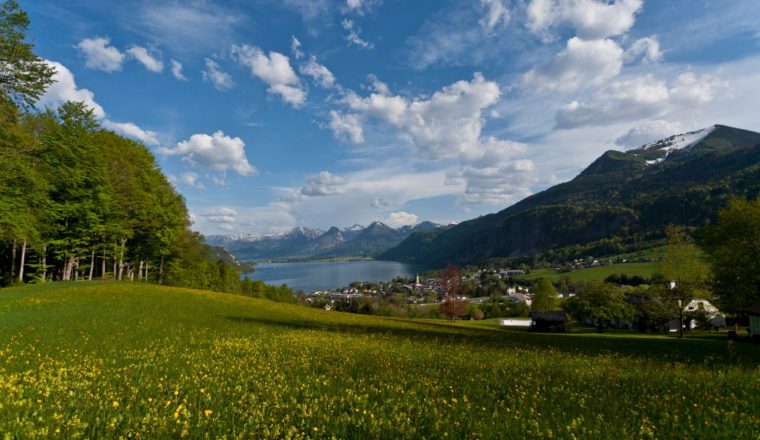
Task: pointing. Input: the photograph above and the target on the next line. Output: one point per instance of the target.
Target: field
(596, 273)
(109, 360)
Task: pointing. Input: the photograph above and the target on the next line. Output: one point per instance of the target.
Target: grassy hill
(597, 273)
(105, 360)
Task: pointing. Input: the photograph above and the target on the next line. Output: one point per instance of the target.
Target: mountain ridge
(619, 199)
(306, 243)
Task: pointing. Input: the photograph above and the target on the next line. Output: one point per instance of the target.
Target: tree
(600, 304)
(545, 297)
(23, 75)
(453, 303)
(684, 268)
(733, 249)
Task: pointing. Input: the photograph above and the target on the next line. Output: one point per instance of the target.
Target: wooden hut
(549, 322)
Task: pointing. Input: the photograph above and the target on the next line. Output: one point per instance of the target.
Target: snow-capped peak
(682, 141)
(354, 228)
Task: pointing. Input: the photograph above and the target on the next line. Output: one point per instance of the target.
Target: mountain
(305, 243)
(274, 246)
(619, 201)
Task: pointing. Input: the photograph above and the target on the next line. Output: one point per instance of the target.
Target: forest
(78, 202)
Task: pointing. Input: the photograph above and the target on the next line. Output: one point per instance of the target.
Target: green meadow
(645, 269)
(110, 360)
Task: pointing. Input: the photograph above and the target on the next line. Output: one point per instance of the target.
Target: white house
(714, 315)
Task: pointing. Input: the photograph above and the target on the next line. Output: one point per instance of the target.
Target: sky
(270, 114)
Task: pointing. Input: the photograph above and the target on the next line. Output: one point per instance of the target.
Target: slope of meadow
(140, 361)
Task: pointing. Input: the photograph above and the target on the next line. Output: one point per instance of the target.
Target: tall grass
(139, 361)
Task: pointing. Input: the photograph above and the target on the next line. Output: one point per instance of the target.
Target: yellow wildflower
(208, 412)
(115, 404)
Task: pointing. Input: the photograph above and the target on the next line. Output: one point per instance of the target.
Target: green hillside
(617, 203)
(596, 273)
(108, 360)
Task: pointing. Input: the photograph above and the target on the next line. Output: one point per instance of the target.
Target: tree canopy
(23, 75)
(733, 249)
(545, 297)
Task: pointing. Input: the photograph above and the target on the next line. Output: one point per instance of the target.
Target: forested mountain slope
(621, 198)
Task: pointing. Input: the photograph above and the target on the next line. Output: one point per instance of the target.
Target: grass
(108, 360)
(596, 273)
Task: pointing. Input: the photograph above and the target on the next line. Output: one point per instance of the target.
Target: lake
(329, 275)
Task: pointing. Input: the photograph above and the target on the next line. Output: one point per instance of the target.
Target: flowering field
(140, 361)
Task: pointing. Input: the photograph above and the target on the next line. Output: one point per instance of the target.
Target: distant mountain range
(620, 200)
(306, 243)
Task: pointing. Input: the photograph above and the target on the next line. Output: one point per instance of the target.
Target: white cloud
(582, 64)
(146, 58)
(99, 55)
(648, 132)
(400, 218)
(177, 71)
(641, 97)
(324, 184)
(190, 179)
(496, 13)
(646, 49)
(310, 10)
(465, 33)
(361, 6)
(378, 86)
(131, 130)
(220, 215)
(347, 127)
(64, 89)
(493, 175)
(217, 152)
(187, 27)
(319, 73)
(295, 47)
(218, 77)
(692, 89)
(446, 125)
(353, 36)
(592, 19)
(379, 202)
(626, 99)
(275, 70)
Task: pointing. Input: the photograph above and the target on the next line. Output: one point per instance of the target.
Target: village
(506, 295)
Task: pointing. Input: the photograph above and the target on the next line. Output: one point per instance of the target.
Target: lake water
(329, 275)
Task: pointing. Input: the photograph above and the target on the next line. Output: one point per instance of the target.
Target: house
(754, 321)
(714, 315)
(551, 322)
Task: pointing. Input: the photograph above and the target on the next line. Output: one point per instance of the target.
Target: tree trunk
(140, 271)
(75, 268)
(115, 246)
(13, 258)
(103, 264)
(21, 264)
(44, 263)
(146, 270)
(121, 259)
(66, 272)
(92, 265)
(161, 271)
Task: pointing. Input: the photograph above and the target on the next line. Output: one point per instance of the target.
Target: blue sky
(271, 114)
